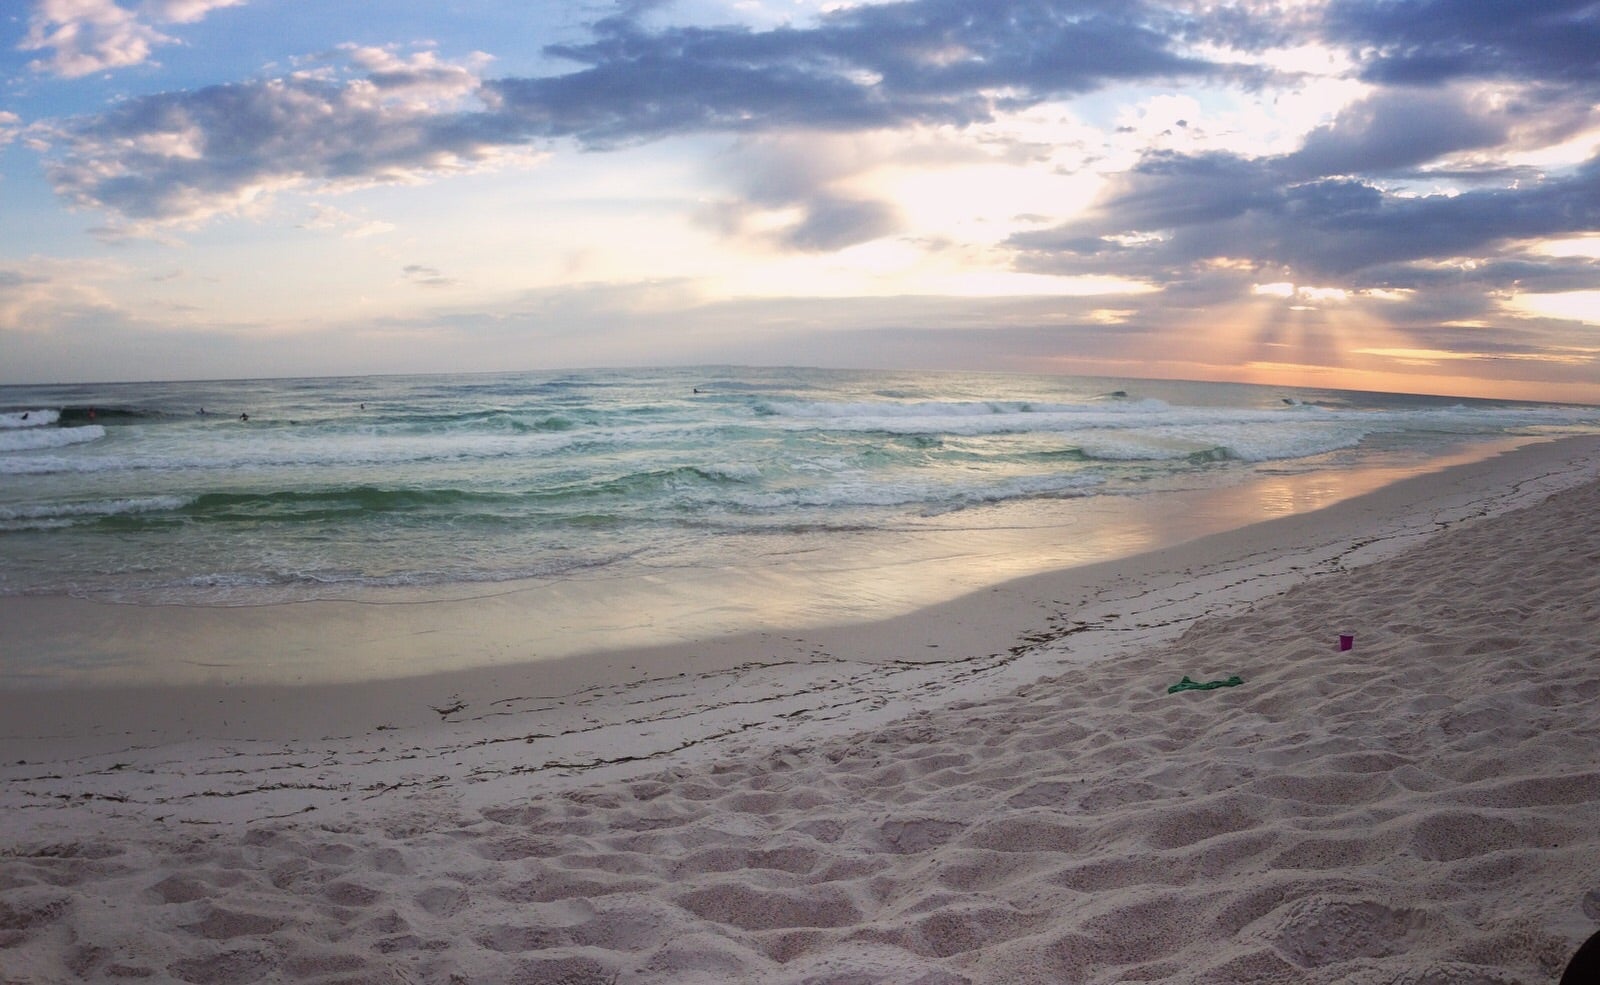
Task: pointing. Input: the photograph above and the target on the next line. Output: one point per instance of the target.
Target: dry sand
(1424, 807)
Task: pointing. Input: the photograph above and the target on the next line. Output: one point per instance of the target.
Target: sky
(1395, 195)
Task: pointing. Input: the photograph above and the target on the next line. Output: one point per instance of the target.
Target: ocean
(844, 493)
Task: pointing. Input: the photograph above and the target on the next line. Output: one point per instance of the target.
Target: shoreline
(629, 711)
(69, 642)
(1423, 806)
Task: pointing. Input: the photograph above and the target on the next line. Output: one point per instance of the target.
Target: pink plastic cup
(1346, 640)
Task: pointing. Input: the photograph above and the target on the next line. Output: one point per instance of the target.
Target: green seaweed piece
(1188, 685)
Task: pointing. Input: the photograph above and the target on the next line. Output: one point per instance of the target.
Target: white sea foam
(1243, 442)
(255, 453)
(732, 471)
(28, 419)
(975, 418)
(874, 491)
(26, 438)
(965, 418)
(31, 515)
(824, 410)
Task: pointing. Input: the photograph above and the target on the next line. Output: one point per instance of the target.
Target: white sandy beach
(999, 790)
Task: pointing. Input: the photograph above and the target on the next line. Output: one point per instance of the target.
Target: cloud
(11, 280)
(1417, 185)
(326, 217)
(422, 276)
(862, 67)
(88, 36)
(40, 295)
(834, 223)
(1510, 272)
(1435, 41)
(1218, 231)
(797, 96)
(1396, 129)
(794, 191)
(185, 11)
(183, 157)
(377, 116)
(1174, 212)
(423, 79)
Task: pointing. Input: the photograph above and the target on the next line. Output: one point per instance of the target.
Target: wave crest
(39, 438)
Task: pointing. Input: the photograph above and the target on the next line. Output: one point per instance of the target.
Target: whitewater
(916, 484)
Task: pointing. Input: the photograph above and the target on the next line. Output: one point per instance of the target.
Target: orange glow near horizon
(1332, 378)
(1288, 335)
